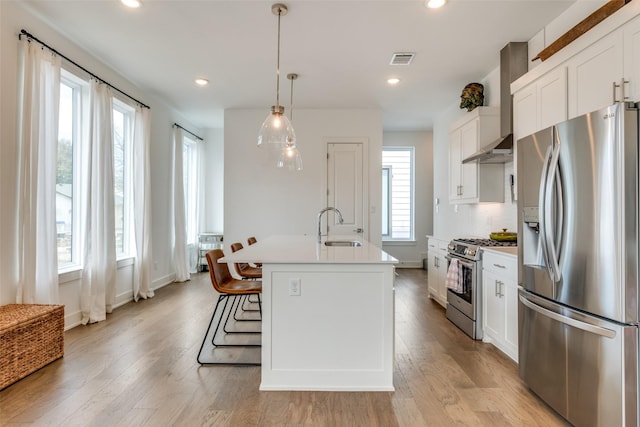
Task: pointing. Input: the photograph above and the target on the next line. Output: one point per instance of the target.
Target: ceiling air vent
(402, 58)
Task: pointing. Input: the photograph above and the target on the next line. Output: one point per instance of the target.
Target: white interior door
(346, 184)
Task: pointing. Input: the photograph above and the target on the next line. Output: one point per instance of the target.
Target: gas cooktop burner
(485, 242)
(470, 248)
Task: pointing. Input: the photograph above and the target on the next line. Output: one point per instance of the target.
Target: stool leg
(220, 298)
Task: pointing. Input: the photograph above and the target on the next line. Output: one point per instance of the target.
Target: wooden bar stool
(243, 269)
(230, 290)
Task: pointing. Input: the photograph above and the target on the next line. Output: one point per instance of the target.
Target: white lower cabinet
(500, 302)
(437, 270)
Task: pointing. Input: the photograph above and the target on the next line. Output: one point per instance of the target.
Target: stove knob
(471, 252)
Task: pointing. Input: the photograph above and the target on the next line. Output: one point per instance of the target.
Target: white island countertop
(286, 249)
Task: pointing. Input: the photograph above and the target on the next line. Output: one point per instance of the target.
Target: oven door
(464, 301)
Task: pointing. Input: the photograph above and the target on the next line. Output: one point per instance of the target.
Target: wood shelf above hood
(582, 27)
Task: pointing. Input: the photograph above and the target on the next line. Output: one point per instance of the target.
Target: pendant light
(290, 157)
(276, 131)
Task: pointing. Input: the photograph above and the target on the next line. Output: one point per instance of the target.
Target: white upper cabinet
(474, 182)
(540, 104)
(595, 75)
(525, 111)
(552, 98)
(632, 60)
(599, 68)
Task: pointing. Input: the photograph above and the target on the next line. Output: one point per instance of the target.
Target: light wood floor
(139, 368)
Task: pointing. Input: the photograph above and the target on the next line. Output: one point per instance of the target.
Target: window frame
(79, 88)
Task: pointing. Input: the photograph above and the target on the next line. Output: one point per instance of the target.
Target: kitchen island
(327, 314)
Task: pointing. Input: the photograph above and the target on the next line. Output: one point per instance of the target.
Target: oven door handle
(461, 261)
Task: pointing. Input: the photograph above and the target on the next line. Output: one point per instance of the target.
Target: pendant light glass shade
(276, 131)
(290, 159)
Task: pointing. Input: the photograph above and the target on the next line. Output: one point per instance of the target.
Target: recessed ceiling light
(434, 4)
(393, 81)
(202, 82)
(131, 3)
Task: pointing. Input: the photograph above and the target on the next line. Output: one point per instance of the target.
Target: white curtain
(194, 199)
(142, 204)
(180, 227)
(99, 269)
(36, 208)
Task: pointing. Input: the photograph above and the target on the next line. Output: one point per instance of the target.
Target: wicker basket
(31, 336)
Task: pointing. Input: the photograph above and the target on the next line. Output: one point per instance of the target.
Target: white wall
(411, 254)
(13, 18)
(474, 219)
(560, 25)
(212, 218)
(261, 200)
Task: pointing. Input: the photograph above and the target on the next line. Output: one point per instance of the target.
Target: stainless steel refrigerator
(578, 266)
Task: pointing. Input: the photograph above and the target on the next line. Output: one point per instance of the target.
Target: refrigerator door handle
(553, 220)
(542, 207)
(608, 333)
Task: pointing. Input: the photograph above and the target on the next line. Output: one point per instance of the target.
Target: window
(190, 168)
(67, 184)
(123, 118)
(397, 193)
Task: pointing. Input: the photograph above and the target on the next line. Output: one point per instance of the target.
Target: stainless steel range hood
(499, 151)
(513, 64)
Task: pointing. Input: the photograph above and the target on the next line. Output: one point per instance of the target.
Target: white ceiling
(340, 49)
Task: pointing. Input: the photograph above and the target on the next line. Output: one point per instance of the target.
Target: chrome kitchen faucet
(320, 217)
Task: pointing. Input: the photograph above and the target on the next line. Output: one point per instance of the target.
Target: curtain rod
(31, 37)
(188, 131)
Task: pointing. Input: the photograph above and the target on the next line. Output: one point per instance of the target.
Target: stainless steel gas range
(464, 308)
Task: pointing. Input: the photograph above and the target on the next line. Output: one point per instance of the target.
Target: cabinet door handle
(500, 286)
(499, 266)
(624, 96)
(622, 91)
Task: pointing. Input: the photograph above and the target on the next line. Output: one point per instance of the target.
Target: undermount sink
(342, 243)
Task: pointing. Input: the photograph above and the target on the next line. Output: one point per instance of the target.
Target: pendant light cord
(291, 107)
(278, 65)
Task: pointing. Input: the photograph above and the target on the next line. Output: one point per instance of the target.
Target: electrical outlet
(294, 287)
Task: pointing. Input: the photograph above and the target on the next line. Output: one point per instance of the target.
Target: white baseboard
(71, 320)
